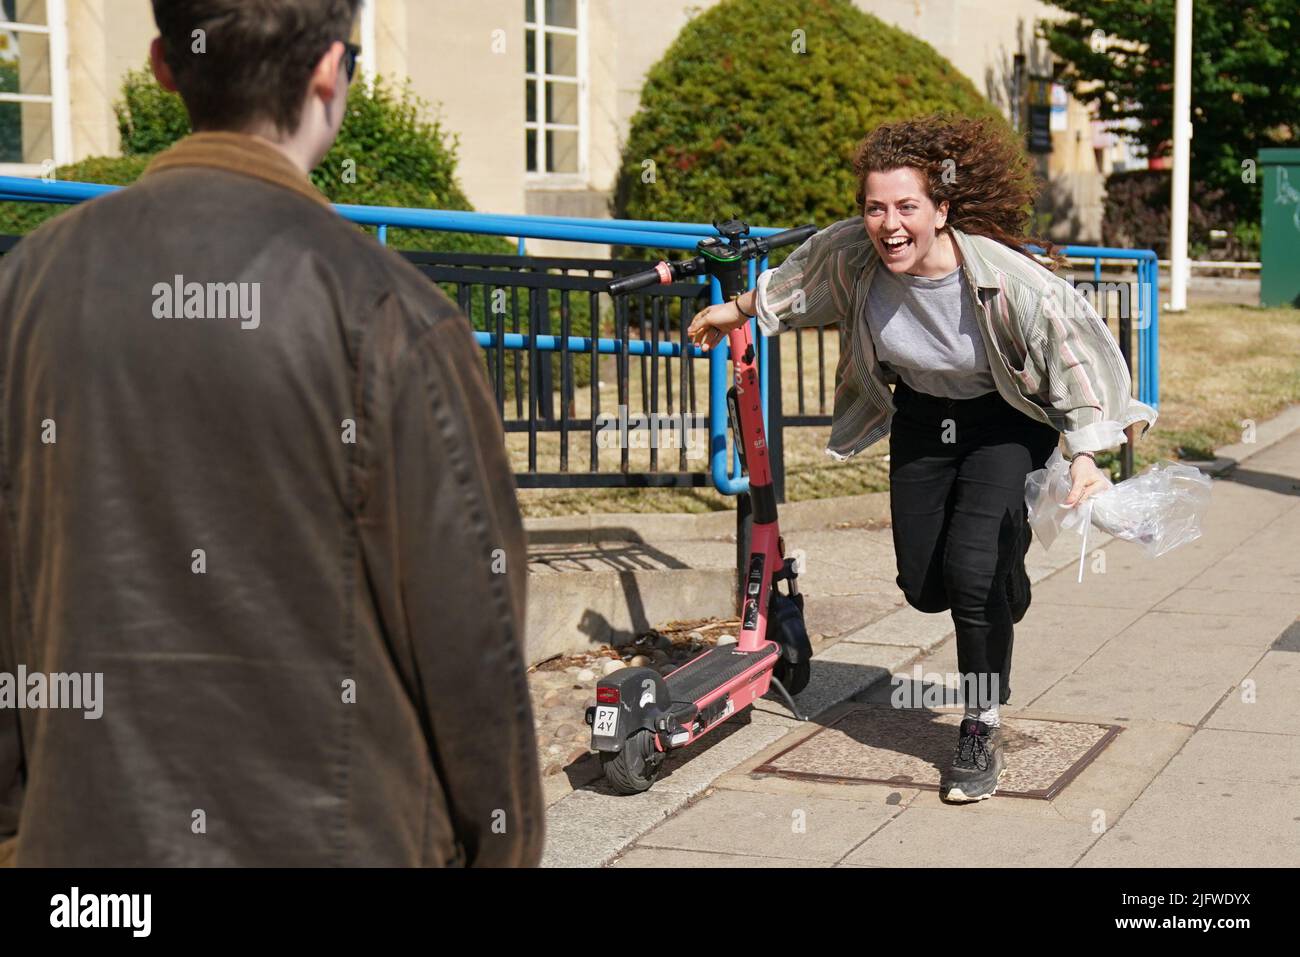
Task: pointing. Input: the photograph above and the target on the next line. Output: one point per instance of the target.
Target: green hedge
(149, 119)
(386, 154)
(11, 116)
(18, 219)
(738, 122)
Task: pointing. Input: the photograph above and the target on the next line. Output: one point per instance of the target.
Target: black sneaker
(977, 766)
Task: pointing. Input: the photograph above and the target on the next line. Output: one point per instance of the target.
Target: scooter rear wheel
(794, 677)
(635, 768)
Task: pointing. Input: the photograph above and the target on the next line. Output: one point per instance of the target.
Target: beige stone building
(539, 92)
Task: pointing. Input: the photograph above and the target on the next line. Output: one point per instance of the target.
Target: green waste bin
(1279, 283)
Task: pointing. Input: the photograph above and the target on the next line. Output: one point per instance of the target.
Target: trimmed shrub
(388, 154)
(737, 121)
(149, 118)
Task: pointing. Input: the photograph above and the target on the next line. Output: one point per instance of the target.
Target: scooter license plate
(606, 723)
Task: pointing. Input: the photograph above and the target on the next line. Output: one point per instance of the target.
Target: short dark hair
(255, 58)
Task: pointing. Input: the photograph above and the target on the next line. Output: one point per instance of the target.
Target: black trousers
(957, 472)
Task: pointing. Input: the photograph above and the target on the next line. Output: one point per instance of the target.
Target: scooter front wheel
(793, 677)
(635, 768)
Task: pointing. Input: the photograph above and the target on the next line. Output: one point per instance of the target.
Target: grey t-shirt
(925, 330)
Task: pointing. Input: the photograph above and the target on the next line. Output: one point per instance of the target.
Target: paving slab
(784, 826)
(1247, 757)
(974, 835)
(1224, 601)
(1182, 821)
(1165, 681)
(1108, 786)
(1267, 434)
(1192, 630)
(1259, 576)
(836, 675)
(1267, 700)
(745, 777)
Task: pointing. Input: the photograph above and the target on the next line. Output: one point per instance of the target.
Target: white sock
(988, 715)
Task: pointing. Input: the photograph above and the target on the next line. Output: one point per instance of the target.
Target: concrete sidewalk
(1196, 655)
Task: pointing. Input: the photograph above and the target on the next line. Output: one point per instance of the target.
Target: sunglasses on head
(350, 53)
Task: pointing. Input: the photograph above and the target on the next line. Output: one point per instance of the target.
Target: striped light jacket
(1051, 356)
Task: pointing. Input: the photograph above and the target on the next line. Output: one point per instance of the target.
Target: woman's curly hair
(972, 163)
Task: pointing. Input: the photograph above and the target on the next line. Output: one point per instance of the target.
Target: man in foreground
(252, 477)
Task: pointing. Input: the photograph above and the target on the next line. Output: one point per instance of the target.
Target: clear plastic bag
(1160, 509)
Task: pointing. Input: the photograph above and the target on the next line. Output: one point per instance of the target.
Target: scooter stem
(749, 408)
(765, 557)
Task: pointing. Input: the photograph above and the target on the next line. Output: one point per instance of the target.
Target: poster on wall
(1060, 103)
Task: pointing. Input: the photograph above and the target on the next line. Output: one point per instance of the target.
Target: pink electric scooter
(640, 715)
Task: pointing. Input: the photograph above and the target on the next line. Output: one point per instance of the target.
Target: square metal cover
(879, 744)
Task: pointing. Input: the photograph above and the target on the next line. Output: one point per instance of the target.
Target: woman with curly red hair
(994, 360)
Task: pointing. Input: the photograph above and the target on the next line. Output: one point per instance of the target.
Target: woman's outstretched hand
(710, 325)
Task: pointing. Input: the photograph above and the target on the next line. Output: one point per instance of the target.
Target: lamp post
(1182, 132)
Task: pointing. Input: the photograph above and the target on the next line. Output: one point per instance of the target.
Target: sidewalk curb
(574, 612)
(1267, 434)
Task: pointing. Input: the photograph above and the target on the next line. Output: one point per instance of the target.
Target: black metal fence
(539, 391)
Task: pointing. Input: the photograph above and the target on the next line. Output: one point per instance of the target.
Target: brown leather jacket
(287, 539)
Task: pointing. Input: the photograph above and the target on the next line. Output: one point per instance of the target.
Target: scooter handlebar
(665, 272)
(789, 237)
(661, 273)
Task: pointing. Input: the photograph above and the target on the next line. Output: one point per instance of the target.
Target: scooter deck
(694, 680)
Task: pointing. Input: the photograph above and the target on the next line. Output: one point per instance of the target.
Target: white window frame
(539, 177)
(369, 40)
(60, 105)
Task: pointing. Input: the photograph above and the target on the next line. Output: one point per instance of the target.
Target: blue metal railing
(727, 477)
(725, 473)
(1148, 325)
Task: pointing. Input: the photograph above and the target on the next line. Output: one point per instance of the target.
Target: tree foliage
(1245, 77)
